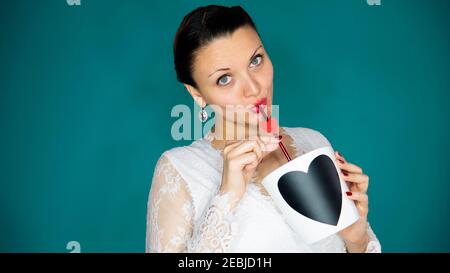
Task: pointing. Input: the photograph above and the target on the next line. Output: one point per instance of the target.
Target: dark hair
(200, 27)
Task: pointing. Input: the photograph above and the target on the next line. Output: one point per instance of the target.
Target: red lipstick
(259, 103)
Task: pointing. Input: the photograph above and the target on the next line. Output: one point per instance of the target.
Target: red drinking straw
(280, 144)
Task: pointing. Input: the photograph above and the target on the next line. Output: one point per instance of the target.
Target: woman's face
(234, 71)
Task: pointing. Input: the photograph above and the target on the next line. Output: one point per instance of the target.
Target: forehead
(227, 50)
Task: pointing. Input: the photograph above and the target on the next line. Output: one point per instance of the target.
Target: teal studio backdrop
(86, 94)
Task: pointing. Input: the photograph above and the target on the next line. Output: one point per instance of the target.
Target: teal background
(86, 93)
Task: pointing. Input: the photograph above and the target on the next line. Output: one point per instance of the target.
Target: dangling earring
(203, 115)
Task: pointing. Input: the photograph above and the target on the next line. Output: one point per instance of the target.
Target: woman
(207, 197)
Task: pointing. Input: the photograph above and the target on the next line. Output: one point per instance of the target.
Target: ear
(196, 95)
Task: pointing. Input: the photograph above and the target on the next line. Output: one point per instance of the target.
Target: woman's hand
(240, 161)
(355, 236)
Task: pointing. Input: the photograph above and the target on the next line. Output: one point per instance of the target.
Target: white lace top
(187, 214)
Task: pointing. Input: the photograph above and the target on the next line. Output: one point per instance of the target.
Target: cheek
(265, 77)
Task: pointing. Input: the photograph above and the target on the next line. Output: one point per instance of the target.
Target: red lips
(260, 102)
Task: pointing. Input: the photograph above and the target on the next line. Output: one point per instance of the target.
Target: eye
(224, 80)
(256, 60)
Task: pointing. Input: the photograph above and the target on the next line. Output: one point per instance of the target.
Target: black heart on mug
(315, 194)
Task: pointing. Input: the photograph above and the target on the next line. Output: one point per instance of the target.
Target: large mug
(309, 192)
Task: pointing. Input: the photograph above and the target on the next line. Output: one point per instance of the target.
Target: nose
(251, 87)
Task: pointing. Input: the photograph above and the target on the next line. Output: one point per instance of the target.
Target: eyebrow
(222, 69)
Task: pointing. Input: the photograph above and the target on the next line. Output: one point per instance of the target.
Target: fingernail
(344, 173)
(280, 137)
(349, 193)
(342, 161)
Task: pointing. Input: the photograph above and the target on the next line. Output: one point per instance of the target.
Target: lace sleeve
(170, 216)
(374, 245)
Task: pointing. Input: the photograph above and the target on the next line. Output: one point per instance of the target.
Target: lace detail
(218, 227)
(165, 198)
(170, 219)
(374, 245)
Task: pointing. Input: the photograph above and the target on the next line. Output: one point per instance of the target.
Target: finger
(244, 147)
(270, 143)
(359, 178)
(269, 139)
(361, 198)
(231, 146)
(271, 147)
(339, 155)
(357, 187)
(258, 150)
(345, 165)
(363, 210)
(248, 159)
(251, 166)
(261, 146)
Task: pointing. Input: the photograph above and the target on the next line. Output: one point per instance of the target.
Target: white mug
(310, 193)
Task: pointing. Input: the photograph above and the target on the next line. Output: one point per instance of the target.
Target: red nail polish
(342, 161)
(280, 137)
(345, 173)
(349, 193)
